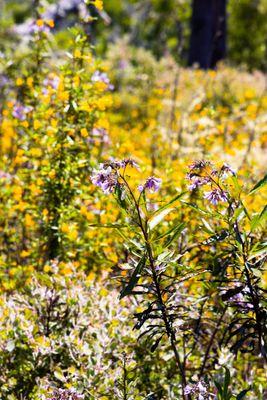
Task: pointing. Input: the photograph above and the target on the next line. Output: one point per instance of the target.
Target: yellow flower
(84, 132)
(29, 81)
(50, 23)
(40, 22)
(52, 174)
(29, 222)
(77, 53)
(19, 81)
(98, 4)
(24, 253)
(36, 124)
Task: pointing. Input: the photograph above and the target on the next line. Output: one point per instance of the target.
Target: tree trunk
(208, 33)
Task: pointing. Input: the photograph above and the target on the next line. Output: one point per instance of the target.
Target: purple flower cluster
(20, 111)
(152, 184)
(5, 175)
(216, 196)
(65, 394)
(197, 181)
(34, 28)
(200, 389)
(4, 81)
(199, 165)
(202, 173)
(227, 170)
(194, 174)
(101, 134)
(106, 178)
(99, 76)
(52, 81)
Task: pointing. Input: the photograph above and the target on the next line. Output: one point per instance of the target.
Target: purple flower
(188, 389)
(215, 196)
(152, 184)
(197, 181)
(106, 178)
(66, 394)
(199, 165)
(33, 28)
(100, 133)
(52, 81)
(129, 162)
(3, 80)
(117, 164)
(5, 175)
(102, 77)
(227, 170)
(20, 111)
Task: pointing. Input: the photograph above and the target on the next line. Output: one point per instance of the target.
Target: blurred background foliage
(162, 26)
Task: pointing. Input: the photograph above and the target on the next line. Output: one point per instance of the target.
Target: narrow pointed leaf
(158, 218)
(259, 185)
(176, 233)
(134, 278)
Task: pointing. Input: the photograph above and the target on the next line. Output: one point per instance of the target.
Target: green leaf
(10, 346)
(134, 278)
(207, 226)
(227, 379)
(196, 208)
(219, 387)
(176, 233)
(158, 218)
(259, 185)
(117, 226)
(259, 219)
(59, 375)
(177, 197)
(242, 394)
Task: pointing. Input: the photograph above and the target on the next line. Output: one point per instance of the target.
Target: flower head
(66, 394)
(152, 184)
(197, 181)
(102, 77)
(216, 196)
(199, 165)
(106, 178)
(227, 170)
(20, 111)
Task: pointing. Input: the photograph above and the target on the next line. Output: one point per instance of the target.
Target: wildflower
(101, 134)
(197, 181)
(52, 81)
(152, 184)
(188, 389)
(129, 162)
(99, 4)
(38, 27)
(105, 178)
(102, 77)
(215, 196)
(227, 170)
(199, 165)
(66, 394)
(20, 111)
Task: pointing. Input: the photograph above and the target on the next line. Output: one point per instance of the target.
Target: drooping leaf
(259, 185)
(158, 218)
(259, 219)
(242, 394)
(232, 292)
(167, 205)
(134, 278)
(155, 345)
